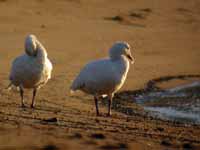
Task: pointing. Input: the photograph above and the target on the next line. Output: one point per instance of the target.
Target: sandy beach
(164, 38)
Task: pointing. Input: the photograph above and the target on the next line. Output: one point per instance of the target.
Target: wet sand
(164, 37)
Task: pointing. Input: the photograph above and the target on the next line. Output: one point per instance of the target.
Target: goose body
(32, 69)
(102, 77)
(105, 76)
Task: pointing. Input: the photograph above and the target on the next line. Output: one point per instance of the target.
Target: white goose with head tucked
(32, 69)
(105, 76)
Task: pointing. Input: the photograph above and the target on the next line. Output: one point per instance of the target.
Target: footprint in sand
(141, 13)
(76, 136)
(98, 136)
(115, 146)
(132, 18)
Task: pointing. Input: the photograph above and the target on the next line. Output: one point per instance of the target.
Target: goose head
(31, 45)
(121, 49)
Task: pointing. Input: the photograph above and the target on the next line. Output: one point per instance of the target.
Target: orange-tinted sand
(165, 40)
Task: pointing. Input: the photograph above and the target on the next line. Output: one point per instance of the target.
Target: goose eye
(127, 47)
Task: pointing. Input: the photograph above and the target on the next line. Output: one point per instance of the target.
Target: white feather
(32, 69)
(104, 76)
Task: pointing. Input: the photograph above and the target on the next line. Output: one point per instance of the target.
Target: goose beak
(130, 57)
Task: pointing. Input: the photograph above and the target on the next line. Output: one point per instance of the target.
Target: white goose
(32, 69)
(105, 77)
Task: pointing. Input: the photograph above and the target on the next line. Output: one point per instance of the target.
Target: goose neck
(41, 52)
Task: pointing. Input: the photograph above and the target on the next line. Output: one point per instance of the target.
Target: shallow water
(169, 113)
(180, 103)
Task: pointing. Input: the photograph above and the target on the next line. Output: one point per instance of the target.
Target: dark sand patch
(98, 136)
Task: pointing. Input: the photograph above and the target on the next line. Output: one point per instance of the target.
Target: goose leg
(96, 105)
(109, 105)
(22, 96)
(33, 99)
